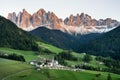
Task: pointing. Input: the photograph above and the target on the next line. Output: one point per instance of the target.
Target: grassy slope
(49, 47)
(93, 63)
(61, 75)
(78, 55)
(29, 55)
(41, 75)
(8, 67)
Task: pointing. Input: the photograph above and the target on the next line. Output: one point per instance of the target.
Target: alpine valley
(70, 33)
(41, 46)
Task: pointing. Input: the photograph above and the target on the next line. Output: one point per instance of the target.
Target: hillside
(54, 74)
(61, 39)
(55, 37)
(13, 37)
(61, 75)
(13, 70)
(106, 45)
(8, 67)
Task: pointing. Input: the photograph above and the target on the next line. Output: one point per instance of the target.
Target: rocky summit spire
(25, 19)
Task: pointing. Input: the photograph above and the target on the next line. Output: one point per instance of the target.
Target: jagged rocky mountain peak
(79, 23)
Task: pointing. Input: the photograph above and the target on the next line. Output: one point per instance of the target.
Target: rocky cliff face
(41, 17)
(86, 20)
(72, 24)
(12, 17)
(23, 19)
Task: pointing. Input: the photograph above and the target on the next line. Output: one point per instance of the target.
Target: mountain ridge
(80, 24)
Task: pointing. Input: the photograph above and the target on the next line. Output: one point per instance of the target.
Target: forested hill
(56, 38)
(61, 39)
(106, 45)
(13, 37)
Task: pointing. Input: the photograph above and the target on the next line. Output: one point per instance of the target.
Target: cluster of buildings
(44, 63)
(50, 64)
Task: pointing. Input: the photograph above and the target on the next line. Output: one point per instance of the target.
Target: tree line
(12, 57)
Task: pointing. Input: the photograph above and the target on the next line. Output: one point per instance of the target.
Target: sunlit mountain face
(78, 24)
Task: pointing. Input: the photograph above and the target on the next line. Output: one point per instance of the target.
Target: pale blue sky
(63, 8)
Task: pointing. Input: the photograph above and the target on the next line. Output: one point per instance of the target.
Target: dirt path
(15, 74)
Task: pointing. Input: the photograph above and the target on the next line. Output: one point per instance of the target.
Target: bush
(87, 58)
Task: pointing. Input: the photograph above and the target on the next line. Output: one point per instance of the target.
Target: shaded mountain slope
(61, 39)
(106, 45)
(55, 37)
(13, 37)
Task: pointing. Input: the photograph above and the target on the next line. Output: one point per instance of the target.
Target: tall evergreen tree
(109, 77)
